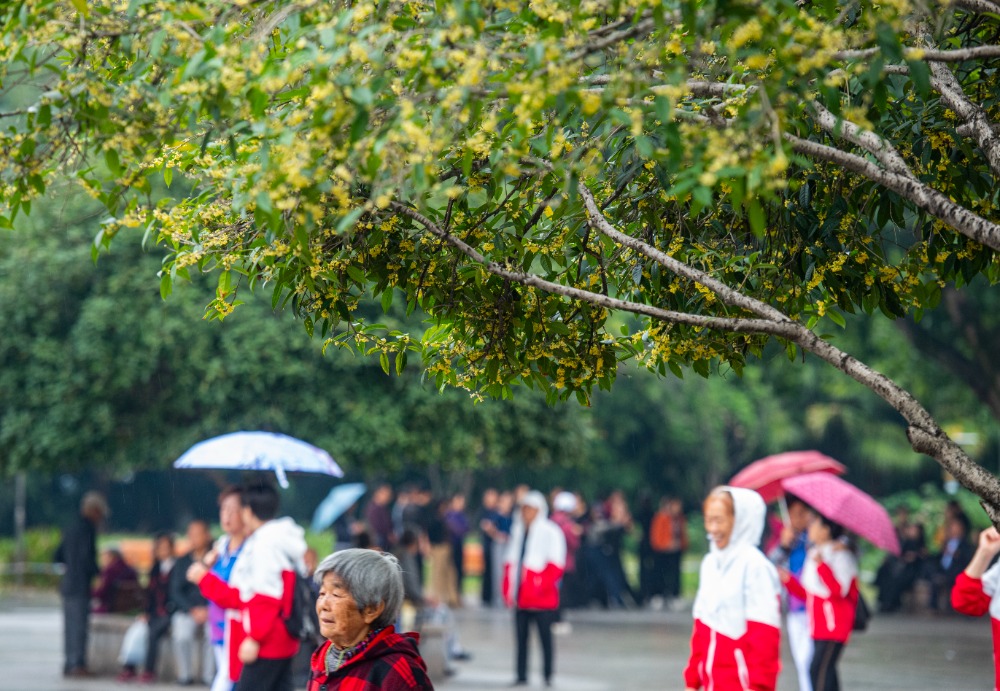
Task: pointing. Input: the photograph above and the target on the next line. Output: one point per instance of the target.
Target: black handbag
(862, 614)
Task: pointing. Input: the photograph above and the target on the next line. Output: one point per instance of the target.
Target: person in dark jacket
(188, 628)
(78, 553)
(956, 553)
(118, 590)
(158, 606)
(361, 592)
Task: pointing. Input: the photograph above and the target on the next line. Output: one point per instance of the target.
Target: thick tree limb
(930, 200)
(733, 325)
(878, 147)
(978, 6)
(974, 119)
(928, 55)
(924, 433)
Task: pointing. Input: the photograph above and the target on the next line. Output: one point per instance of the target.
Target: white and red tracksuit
(976, 597)
(259, 592)
(542, 567)
(830, 589)
(736, 641)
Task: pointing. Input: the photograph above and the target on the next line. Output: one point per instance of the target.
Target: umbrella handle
(282, 478)
(783, 507)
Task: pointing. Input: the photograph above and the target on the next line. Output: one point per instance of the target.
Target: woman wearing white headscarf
(735, 645)
(533, 568)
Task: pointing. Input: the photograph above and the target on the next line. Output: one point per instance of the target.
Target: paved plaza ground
(606, 651)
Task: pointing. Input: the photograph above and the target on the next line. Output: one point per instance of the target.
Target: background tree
(728, 173)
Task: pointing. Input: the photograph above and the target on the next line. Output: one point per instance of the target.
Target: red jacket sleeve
(696, 662)
(763, 647)
(968, 597)
(794, 587)
(506, 586)
(835, 587)
(220, 592)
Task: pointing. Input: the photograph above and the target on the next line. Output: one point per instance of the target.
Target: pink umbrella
(843, 503)
(766, 475)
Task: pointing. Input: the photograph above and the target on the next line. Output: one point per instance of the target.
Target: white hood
(275, 547)
(738, 583)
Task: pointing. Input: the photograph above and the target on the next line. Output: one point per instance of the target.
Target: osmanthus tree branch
(975, 123)
(734, 325)
(871, 142)
(978, 6)
(930, 200)
(923, 432)
(926, 54)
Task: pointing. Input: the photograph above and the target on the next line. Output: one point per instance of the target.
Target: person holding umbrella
(829, 585)
(736, 640)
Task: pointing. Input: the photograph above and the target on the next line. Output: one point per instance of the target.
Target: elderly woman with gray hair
(360, 594)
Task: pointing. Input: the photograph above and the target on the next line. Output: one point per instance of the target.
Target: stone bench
(104, 643)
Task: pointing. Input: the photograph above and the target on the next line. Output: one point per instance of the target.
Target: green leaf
(383, 359)
(113, 162)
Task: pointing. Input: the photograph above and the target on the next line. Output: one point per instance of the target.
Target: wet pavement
(605, 651)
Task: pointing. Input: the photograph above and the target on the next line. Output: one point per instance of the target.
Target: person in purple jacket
(790, 554)
(457, 523)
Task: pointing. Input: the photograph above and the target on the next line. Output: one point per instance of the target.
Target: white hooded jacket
(735, 645)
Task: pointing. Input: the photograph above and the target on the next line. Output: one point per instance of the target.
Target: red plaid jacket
(391, 662)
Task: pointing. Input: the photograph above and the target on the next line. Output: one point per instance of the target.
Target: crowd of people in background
(924, 574)
(597, 533)
(225, 602)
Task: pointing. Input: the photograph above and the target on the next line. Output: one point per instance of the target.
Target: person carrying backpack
(261, 590)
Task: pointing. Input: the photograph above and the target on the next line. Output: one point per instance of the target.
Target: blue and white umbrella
(339, 500)
(260, 451)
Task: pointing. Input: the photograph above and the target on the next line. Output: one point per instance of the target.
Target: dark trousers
(671, 569)
(823, 670)
(543, 619)
(158, 627)
(266, 675)
(487, 581)
(76, 615)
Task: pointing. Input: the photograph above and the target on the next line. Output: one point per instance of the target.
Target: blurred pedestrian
(501, 536)
(226, 551)
(378, 515)
(977, 590)
(736, 643)
(77, 552)
(535, 561)
(790, 554)
(189, 628)
(564, 507)
(118, 590)
(360, 595)
(457, 523)
(956, 553)
(829, 585)
(442, 584)
(261, 648)
(488, 516)
(158, 607)
(668, 540)
(897, 576)
(619, 525)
